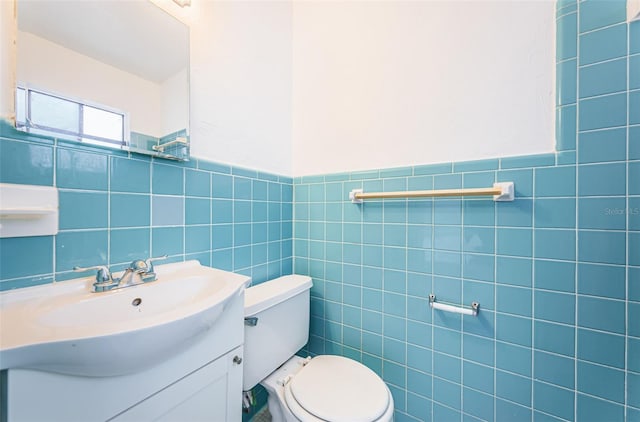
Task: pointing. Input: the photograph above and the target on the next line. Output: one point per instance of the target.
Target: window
(42, 112)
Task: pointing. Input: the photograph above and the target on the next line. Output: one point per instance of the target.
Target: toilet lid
(337, 389)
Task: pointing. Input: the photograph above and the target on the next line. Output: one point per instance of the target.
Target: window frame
(79, 136)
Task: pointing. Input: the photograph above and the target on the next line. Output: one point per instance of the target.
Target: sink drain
(137, 301)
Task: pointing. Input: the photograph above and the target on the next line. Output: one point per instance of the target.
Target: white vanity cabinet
(205, 395)
(203, 382)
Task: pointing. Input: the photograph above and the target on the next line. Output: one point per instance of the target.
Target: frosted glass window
(102, 124)
(53, 112)
(50, 114)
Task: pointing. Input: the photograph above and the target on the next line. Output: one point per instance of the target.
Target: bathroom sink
(65, 328)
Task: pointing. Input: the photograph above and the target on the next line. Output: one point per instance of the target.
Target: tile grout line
(532, 324)
(577, 219)
(495, 305)
(431, 311)
(54, 238)
(462, 298)
(627, 243)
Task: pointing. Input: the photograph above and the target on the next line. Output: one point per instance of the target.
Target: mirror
(112, 73)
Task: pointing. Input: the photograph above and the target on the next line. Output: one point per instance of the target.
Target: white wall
(313, 87)
(241, 83)
(46, 65)
(8, 28)
(387, 84)
(175, 102)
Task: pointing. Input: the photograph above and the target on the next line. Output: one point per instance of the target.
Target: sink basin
(65, 328)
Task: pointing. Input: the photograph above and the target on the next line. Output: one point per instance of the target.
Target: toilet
(324, 388)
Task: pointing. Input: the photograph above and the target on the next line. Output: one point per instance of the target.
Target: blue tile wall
(556, 271)
(116, 207)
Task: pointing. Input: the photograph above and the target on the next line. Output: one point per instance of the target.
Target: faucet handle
(149, 262)
(138, 266)
(103, 275)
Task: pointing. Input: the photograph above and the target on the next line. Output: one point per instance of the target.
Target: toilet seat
(335, 389)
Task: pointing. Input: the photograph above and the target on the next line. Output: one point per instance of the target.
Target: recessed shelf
(16, 213)
(28, 210)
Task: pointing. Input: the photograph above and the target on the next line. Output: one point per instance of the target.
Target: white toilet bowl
(327, 388)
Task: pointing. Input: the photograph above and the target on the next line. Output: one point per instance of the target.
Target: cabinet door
(212, 393)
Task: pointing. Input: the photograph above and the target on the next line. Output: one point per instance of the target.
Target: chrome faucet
(139, 272)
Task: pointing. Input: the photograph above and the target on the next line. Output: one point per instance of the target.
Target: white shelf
(28, 210)
(25, 212)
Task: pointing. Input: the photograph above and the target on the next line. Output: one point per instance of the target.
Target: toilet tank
(281, 307)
